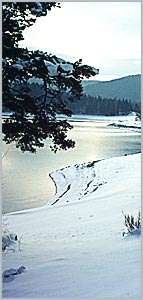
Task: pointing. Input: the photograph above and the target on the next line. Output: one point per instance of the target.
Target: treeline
(103, 106)
(90, 105)
(128, 87)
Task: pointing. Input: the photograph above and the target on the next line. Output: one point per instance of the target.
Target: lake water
(25, 177)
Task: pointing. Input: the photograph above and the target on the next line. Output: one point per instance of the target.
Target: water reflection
(25, 177)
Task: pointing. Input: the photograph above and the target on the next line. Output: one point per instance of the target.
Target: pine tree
(33, 118)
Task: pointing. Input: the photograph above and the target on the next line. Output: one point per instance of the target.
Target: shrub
(9, 240)
(132, 224)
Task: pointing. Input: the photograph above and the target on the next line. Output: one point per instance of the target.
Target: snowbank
(132, 121)
(73, 246)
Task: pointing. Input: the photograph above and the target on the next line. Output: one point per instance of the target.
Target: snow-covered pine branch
(61, 82)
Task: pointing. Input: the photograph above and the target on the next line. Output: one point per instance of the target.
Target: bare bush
(132, 224)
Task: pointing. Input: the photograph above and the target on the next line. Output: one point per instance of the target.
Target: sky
(106, 35)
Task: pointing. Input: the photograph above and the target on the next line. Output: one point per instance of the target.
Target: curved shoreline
(88, 165)
(90, 186)
(26, 188)
(82, 237)
(82, 179)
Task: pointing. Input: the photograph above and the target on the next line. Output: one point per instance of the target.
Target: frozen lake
(25, 177)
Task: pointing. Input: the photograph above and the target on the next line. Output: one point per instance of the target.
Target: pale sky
(106, 35)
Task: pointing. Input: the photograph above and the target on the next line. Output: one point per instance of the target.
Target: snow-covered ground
(131, 121)
(73, 247)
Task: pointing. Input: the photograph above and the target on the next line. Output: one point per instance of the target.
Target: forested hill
(115, 97)
(128, 87)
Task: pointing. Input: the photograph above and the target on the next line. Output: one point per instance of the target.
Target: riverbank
(25, 177)
(73, 246)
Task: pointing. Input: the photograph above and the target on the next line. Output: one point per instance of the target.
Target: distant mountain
(128, 87)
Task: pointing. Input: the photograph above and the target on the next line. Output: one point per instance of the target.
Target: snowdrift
(73, 247)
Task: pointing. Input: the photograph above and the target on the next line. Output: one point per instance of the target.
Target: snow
(53, 64)
(52, 68)
(73, 246)
(19, 18)
(66, 67)
(131, 121)
(18, 67)
(95, 70)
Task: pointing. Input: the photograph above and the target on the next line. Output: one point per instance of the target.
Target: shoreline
(55, 183)
(81, 236)
(63, 182)
(38, 195)
(58, 195)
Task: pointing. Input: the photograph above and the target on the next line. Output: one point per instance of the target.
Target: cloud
(121, 66)
(94, 31)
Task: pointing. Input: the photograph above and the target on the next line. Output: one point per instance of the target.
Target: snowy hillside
(73, 246)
